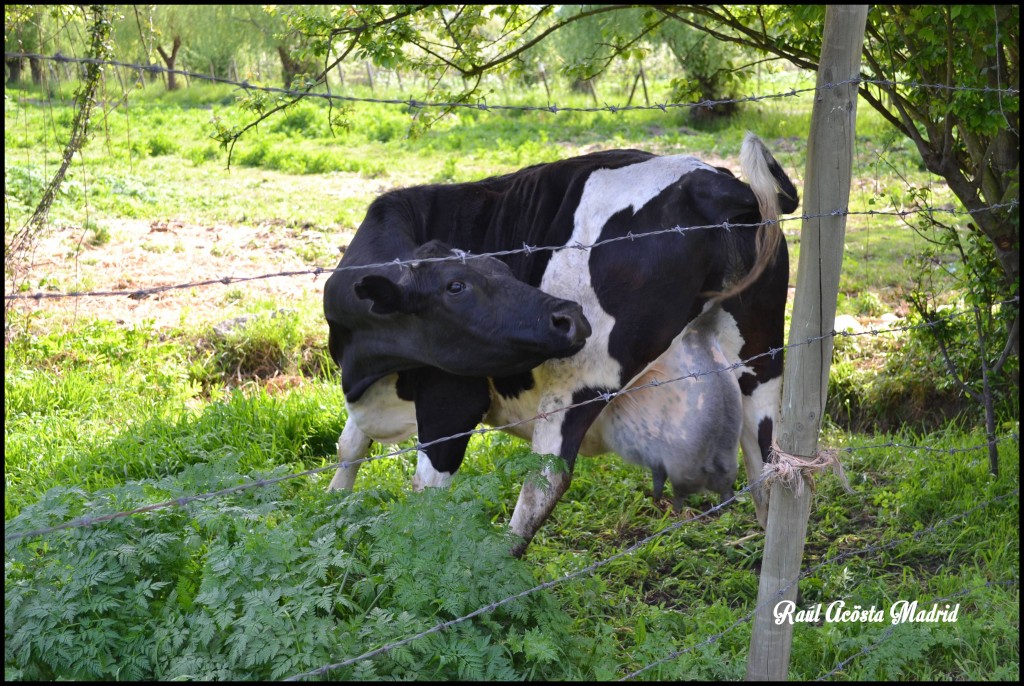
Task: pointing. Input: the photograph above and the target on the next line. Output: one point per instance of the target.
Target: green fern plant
(271, 582)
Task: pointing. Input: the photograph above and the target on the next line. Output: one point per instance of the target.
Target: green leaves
(260, 587)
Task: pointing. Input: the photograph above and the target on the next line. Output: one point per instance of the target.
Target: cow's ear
(387, 296)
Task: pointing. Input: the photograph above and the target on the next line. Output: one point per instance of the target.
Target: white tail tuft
(756, 163)
(755, 160)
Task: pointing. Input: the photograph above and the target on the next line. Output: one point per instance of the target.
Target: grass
(115, 406)
(101, 417)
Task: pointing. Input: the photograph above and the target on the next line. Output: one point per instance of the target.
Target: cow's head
(472, 316)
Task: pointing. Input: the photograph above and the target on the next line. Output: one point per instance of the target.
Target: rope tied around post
(792, 471)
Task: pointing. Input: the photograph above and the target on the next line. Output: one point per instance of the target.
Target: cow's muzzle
(570, 325)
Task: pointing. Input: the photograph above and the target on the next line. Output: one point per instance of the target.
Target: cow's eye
(456, 287)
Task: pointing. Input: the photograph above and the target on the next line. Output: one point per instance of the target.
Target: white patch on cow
(382, 415)
(764, 402)
(426, 476)
(379, 415)
(606, 193)
(504, 411)
(729, 339)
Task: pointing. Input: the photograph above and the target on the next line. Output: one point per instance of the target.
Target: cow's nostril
(563, 324)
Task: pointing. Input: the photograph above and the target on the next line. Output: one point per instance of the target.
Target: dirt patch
(129, 255)
(133, 255)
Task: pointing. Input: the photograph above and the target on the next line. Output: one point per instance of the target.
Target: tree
(208, 38)
(33, 29)
(21, 34)
(272, 30)
(169, 23)
(965, 133)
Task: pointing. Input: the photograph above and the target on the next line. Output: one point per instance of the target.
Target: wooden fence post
(805, 379)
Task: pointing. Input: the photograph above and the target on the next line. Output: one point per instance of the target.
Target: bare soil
(143, 254)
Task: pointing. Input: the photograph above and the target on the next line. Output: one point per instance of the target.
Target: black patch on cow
(578, 420)
(512, 386)
(748, 383)
(405, 387)
(759, 312)
(653, 286)
(534, 206)
(764, 437)
(447, 405)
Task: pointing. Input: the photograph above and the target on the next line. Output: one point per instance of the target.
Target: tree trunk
(169, 60)
(13, 70)
(291, 67)
(35, 66)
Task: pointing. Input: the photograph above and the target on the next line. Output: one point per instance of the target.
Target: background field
(113, 403)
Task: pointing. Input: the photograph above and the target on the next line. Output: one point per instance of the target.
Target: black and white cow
(403, 372)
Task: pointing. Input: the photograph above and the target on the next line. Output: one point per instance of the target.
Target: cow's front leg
(560, 434)
(447, 408)
(352, 445)
(535, 504)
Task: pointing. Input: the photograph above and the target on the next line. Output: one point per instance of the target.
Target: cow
(645, 244)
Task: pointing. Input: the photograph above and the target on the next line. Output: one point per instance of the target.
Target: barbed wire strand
(603, 397)
(554, 109)
(462, 256)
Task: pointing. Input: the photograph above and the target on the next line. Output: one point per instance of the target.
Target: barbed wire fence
(608, 397)
(96, 519)
(462, 256)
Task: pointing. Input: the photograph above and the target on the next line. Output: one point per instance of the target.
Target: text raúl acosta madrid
(838, 611)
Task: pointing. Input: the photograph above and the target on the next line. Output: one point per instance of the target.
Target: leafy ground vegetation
(113, 404)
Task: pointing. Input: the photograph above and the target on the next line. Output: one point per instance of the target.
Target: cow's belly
(382, 415)
(652, 424)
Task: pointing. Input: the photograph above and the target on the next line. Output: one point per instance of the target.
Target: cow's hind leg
(760, 417)
(659, 474)
(353, 445)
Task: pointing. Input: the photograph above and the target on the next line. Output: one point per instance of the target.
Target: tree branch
(922, 310)
(1011, 344)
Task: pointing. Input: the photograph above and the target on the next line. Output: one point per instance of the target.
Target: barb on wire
(462, 256)
(91, 520)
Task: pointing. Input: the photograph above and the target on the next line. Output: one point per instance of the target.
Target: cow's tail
(775, 194)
